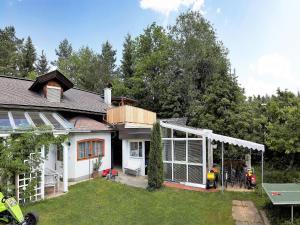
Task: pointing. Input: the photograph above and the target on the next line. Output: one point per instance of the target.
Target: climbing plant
(16, 148)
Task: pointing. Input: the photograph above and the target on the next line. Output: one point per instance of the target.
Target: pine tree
(64, 62)
(155, 168)
(127, 59)
(107, 64)
(64, 50)
(28, 58)
(10, 49)
(42, 66)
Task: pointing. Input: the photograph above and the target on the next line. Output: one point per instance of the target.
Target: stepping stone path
(245, 213)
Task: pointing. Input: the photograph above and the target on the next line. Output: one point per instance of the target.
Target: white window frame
(129, 148)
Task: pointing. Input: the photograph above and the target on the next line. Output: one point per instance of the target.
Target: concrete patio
(134, 181)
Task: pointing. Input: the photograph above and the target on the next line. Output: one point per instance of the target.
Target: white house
(106, 129)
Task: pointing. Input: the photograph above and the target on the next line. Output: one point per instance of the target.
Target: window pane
(134, 145)
(20, 119)
(81, 150)
(136, 149)
(87, 149)
(4, 121)
(96, 148)
(36, 119)
(179, 150)
(166, 132)
(53, 121)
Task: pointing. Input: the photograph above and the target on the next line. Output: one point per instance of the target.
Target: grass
(103, 202)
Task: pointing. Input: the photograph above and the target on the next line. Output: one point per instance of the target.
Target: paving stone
(236, 202)
(245, 212)
(241, 223)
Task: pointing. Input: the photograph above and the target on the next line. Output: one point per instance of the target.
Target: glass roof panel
(20, 120)
(53, 121)
(36, 119)
(4, 121)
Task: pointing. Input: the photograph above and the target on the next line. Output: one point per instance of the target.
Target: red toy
(110, 172)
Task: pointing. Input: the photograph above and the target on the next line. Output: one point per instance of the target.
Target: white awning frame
(236, 141)
(216, 137)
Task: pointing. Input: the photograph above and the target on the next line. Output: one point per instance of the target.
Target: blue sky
(262, 36)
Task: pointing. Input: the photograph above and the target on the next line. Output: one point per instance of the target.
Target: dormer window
(53, 93)
(52, 85)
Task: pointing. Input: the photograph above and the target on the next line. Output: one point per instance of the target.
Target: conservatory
(12, 122)
(188, 152)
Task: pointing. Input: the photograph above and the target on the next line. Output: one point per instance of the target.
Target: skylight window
(36, 119)
(20, 120)
(4, 121)
(53, 121)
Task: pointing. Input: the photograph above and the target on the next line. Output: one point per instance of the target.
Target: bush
(155, 167)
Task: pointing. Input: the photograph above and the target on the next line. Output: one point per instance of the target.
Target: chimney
(107, 95)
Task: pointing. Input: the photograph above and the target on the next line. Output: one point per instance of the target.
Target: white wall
(80, 169)
(51, 158)
(129, 161)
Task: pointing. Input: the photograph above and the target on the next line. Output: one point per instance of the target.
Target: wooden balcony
(130, 115)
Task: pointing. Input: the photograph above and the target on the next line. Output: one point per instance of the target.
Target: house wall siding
(130, 162)
(79, 170)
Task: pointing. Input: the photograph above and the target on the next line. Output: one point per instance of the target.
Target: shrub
(155, 167)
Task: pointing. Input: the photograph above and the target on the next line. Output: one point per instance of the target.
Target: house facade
(51, 100)
(100, 129)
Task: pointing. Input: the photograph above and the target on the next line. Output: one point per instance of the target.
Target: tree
(150, 81)
(42, 66)
(28, 58)
(107, 64)
(155, 168)
(64, 50)
(84, 67)
(10, 51)
(127, 62)
(283, 129)
(63, 62)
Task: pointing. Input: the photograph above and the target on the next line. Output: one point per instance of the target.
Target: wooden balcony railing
(130, 114)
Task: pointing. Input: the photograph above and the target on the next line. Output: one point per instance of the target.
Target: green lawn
(103, 202)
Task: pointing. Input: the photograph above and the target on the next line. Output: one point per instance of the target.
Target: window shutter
(53, 94)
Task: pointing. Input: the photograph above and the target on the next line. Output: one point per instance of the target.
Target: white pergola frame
(66, 129)
(210, 136)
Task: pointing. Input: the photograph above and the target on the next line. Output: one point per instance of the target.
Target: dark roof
(15, 93)
(40, 81)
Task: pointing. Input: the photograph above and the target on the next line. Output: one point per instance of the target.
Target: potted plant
(96, 167)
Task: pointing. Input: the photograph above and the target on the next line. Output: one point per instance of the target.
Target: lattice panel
(180, 172)
(23, 182)
(168, 171)
(167, 150)
(195, 151)
(195, 174)
(180, 150)
(24, 179)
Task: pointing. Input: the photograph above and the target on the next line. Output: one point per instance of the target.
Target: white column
(204, 164)
(65, 165)
(209, 154)
(43, 172)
